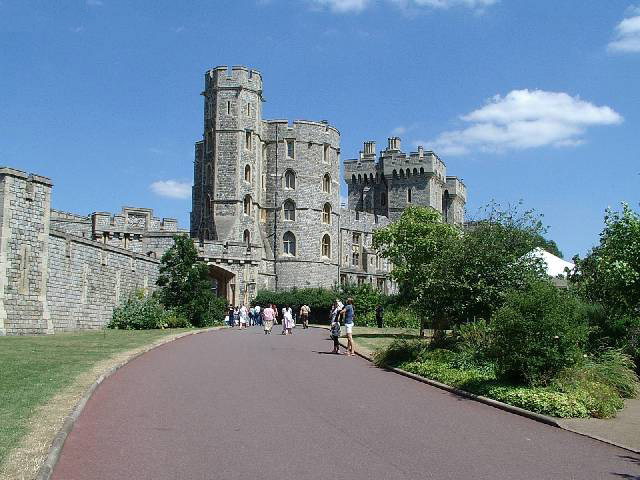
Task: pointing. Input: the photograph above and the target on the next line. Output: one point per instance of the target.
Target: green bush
(398, 352)
(138, 313)
(393, 317)
(474, 341)
(537, 333)
(174, 319)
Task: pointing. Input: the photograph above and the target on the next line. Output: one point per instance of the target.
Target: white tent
(555, 265)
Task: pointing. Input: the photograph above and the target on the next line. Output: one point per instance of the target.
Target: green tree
(185, 285)
(416, 244)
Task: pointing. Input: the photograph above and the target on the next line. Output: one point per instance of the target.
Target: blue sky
(533, 100)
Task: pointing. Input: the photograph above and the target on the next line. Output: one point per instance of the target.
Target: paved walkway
(240, 405)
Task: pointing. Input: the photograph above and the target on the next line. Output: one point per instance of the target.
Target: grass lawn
(371, 338)
(35, 368)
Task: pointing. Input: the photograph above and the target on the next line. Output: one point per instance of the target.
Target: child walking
(335, 333)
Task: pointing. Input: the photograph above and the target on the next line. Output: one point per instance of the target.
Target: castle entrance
(223, 283)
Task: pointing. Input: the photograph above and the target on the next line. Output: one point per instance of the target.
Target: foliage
(610, 274)
(138, 313)
(319, 299)
(474, 342)
(394, 316)
(537, 333)
(549, 245)
(185, 285)
(398, 352)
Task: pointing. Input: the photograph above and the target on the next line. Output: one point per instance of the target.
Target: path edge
(538, 417)
(46, 469)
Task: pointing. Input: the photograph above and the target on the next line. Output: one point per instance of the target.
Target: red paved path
(241, 405)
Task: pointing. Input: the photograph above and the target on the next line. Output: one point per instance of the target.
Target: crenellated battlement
(238, 77)
(456, 186)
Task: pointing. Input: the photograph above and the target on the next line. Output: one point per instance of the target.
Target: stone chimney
(394, 144)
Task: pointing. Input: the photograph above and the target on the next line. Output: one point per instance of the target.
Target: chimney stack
(394, 143)
(370, 148)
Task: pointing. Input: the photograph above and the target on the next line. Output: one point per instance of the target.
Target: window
(247, 140)
(228, 108)
(326, 213)
(290, 179)
(326, 246)
(247, 173)
(291, 148)
(246, 238)
(355, 250)
(289, 244)
(247, 205)
(248, 109)
(263, 215)
(409, 195)
(264, 181)
(325, 154)
(326, 183)
(289, 210)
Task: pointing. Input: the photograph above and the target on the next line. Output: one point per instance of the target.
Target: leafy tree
(549, 245)
(185, 284)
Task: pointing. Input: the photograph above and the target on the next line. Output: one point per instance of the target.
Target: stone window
(263, 215)
(247, 140)
(353, 178)
(247, 205)
(326, 213)
(325, 154)
(247, 173)
(291, 148)
(228, 108)
(326, 246)
(355, 250)
(361, 280)
(264, 182)
(248, 109)
(409, 195)
(290, 179)
(326, 183)
(246, 238)
(289, 244)
(289, 210)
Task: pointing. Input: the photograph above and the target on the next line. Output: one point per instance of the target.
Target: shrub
(537, 333)
(474, 341)
(174, 319)
(398, 352)
(394, 317)
(138, 313)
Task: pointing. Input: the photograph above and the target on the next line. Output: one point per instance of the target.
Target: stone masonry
(266, 214)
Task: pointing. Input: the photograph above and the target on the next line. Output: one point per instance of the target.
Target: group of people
(244, 317)
(267, 317)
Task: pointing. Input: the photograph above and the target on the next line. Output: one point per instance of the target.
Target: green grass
(373, 339)
(35, 368)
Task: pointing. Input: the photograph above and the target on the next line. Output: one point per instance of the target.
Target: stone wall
(51, 278)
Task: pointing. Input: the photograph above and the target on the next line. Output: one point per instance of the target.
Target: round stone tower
(303, 168)
(228, 167)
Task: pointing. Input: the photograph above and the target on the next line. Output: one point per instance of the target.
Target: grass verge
(41, 371)
(372, 339)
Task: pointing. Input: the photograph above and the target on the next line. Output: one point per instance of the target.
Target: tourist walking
(267, 319)
(244, 317)
(287, 320)
(335, 334)
(257, 316)
(305, 310)
(348, 313)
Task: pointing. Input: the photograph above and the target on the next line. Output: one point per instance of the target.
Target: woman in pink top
(267, 315)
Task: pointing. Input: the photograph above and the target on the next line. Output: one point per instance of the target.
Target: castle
(266, 214)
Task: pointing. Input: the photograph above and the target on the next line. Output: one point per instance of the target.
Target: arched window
(290, 179)
(289, 244)
(401, 173)
(371, 178)
(326, 213)
(409, 195)
(415, 171)
(289, 210)
(395, 174)
(263, 215)
(326, 183)
(247, 173)
(408, 172)
(326, 246)
(353, 178)
(421, 171)
(247, 205)
(246, 238)
(359, 178)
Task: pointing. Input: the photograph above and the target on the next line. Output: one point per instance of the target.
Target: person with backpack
(348, 314)
(305, 310)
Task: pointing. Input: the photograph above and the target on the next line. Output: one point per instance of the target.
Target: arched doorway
(223, 283)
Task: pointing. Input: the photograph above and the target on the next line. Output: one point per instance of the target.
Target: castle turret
(228, 167)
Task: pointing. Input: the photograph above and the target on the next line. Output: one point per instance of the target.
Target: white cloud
(95, 3)
(525, 119)
(356, 6)
(627, 33)
(171, 189)
(398, 131)
(77, 29)
(179, 29)
(343, 6)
